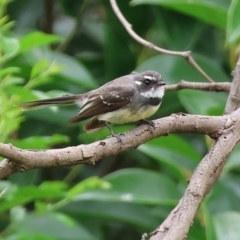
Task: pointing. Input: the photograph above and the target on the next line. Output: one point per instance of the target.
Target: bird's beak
(161, 83)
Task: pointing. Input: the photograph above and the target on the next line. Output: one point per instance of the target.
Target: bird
(130, 98)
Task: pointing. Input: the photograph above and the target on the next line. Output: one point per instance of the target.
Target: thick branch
(23, 160)
(217, 87)
(128, 27)
(176, 226)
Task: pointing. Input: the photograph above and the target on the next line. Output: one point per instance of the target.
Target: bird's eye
(147, 82)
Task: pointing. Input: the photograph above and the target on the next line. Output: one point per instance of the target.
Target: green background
(50, 48)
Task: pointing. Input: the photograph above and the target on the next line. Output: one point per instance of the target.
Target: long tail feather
(47, 102)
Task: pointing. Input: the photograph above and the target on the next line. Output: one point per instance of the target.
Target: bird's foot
(151, 124)
(113, 134)
(116, 136)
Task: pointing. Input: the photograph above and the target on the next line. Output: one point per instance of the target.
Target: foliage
(126, 195)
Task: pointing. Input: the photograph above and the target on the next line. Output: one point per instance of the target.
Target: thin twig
(68, 39)
(215, 87)
(128, 27)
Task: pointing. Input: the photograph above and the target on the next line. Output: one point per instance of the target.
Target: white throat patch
(154, 93)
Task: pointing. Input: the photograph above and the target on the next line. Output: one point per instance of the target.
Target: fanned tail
(64, 100)
(94, 125)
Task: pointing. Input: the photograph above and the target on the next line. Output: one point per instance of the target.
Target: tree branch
(233, 101)
(64, 44)
(217, 87)
(128, 27)
(178, 222)
(23, 160)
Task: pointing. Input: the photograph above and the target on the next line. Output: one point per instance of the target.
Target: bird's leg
(113, 134)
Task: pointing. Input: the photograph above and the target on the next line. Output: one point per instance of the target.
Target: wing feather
(102, 103)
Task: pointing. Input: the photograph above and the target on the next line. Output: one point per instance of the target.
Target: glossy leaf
(86, 185)
(9, 46)
(9, 70)
(225, 195)
(208, 220)
(234, 160)
(198, 102)
(173, 152)
(39, 68)
(212, 12)
(130, 186)
(227, 225)
(35, 142)
(18, 196)
(35, 39)
(52, 225)
(233, 28)
(134, 214)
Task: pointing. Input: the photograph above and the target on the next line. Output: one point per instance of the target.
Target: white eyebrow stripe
(138, 82)
(149, 77)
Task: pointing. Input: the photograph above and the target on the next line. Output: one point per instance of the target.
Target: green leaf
(86, 185)
(41, 73)
(40, 142)
(38, 68)
(5, 185)
(205, 103)
(233, 162)
(15, 197)
(54, 188)
(233, 27)
(19, 196)
(17, 214)
(35, 39)
(9, 46)
(136, 186)
(173, 152)
(134, 214)
(52, 225)
(65, 219)
(11, 81)
(213, 12)
(227, 225)
(23, 94)
(9, 70)
(27, 236)
(208, 221)
(75, 71)
(225, 195)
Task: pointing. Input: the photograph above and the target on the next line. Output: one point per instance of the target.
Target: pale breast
(124, 115)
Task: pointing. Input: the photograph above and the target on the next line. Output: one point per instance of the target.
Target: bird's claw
(149, 122)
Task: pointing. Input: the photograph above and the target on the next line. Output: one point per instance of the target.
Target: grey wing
(104, 102)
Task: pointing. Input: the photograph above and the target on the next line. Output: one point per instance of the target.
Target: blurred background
(53, 47)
